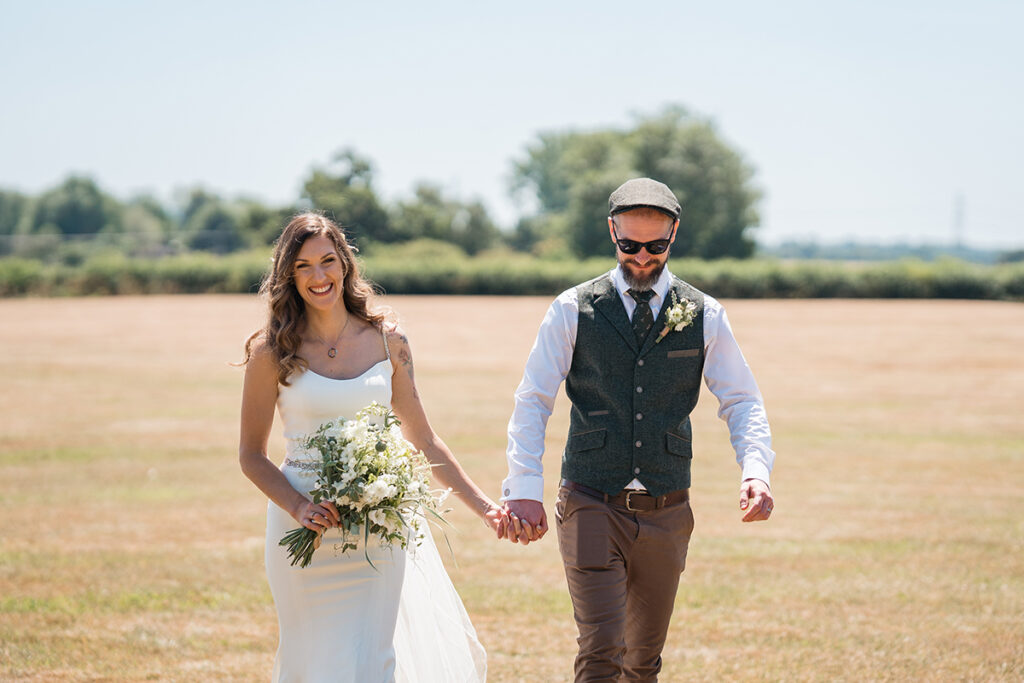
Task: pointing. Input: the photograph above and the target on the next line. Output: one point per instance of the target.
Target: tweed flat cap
(639, 192)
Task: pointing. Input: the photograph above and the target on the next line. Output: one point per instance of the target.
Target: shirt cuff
(523, 487)
(756, 470)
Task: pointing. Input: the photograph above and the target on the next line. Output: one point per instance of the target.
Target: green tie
(643, 317)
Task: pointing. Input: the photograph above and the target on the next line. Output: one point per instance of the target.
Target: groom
(632, 347)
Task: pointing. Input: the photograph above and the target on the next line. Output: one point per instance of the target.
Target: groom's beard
(641, 280)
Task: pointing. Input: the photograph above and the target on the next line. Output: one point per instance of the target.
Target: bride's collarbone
(351, 360)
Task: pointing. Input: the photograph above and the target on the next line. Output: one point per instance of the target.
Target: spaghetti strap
(387, 349)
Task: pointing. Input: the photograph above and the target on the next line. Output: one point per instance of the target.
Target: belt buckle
(628, 506)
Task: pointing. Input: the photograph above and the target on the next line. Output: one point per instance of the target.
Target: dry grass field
(131, 545)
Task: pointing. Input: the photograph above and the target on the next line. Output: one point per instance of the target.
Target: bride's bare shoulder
(260, 355)
(394, 331)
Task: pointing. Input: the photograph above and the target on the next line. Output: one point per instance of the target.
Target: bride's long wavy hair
(286, 317)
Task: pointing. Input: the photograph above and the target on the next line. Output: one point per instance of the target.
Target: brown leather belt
(634, 501)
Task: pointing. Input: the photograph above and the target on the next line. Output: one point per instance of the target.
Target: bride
(324, 353)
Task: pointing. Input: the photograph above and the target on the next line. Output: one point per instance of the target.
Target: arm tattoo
(405, 351)
(405, 358)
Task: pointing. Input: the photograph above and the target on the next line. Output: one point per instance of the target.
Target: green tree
(147, 227)
(193, 202)
(544, 235)
(214, 228)
(344, 191)
(145, 215)
(261, 223)
(75, 207)
(13, 206)
(432, 216)
(544, 174)
(473, 229)
(571, 175)
(426, 215)
(1012, 256)
(209, 224)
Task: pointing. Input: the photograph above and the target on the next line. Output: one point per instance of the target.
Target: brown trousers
(623, 570)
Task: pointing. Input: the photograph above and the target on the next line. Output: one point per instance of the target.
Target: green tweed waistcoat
(631, 405)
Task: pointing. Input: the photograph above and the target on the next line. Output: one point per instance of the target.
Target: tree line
(567, 176)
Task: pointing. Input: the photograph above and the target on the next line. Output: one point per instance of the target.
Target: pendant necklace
(332, 351)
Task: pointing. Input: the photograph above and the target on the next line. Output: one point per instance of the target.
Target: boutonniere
(678, 316)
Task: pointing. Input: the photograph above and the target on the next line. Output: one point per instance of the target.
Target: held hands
(756, 499)
(527, 521)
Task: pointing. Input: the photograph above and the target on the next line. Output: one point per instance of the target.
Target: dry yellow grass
(131, 545)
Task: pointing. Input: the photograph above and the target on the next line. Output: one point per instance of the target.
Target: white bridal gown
(341, 620)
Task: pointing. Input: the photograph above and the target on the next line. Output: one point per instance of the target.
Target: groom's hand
(756, 500)
(528, 521)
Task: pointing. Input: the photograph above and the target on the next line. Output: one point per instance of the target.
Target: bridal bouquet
(378, 481)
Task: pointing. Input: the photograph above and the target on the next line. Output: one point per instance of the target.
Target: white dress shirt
(726, 374)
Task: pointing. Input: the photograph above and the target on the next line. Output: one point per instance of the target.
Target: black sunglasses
(633, 247)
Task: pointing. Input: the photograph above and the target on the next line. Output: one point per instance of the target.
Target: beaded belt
(311, 465)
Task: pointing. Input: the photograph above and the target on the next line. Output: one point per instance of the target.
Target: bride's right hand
(317, 516)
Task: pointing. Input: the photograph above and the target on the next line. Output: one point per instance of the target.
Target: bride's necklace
(332, 350)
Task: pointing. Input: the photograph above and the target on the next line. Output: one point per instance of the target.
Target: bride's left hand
(496, 519)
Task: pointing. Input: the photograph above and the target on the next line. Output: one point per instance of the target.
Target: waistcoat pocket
(585, 441)
(677, 445)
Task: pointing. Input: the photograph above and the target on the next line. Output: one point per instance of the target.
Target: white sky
(863, 121)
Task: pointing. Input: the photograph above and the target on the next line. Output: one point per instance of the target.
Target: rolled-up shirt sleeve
(546, 369)
(740, 405)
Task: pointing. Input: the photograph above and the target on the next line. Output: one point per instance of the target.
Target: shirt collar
(660, 287)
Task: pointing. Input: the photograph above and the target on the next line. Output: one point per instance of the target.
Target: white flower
(678, 316)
